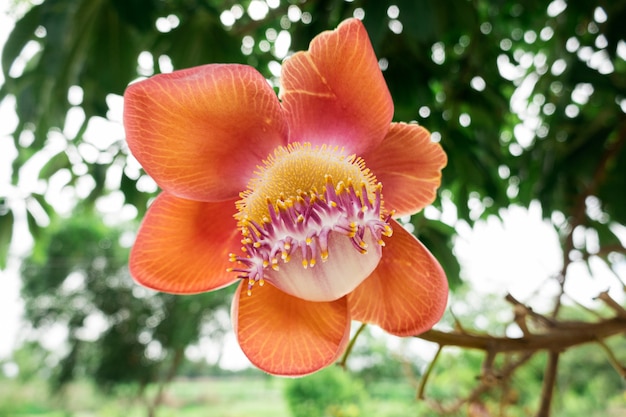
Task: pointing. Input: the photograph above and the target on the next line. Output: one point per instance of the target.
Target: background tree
(527, 98)
(118, 333)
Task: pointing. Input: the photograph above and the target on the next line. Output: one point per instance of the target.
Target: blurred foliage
(527, 98)
(185, 398)
(331, 392)
(528, 102)
(373, 361)
(591, 390)
(117, 331)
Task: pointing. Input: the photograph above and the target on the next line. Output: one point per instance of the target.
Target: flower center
(296, 201)
(297, 169)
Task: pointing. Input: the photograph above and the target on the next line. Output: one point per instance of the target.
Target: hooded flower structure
(293, 198)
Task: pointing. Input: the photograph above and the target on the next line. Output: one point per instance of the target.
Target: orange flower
(288, 193)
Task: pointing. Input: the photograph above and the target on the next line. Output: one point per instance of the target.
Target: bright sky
(519, 254)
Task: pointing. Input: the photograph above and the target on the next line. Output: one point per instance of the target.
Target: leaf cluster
(528, 103)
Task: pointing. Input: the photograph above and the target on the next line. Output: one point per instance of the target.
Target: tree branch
(557, 338)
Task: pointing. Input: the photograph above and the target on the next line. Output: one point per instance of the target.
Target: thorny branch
(539, 333)
(559, 337)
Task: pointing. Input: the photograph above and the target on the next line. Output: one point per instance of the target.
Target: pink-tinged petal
(284, 335)
(407, 293)
(409, 165)
(345, 268)
(201, 132)
(183, 245)
(335, 93)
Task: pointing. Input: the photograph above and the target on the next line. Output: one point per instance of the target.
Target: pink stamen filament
(304, 223)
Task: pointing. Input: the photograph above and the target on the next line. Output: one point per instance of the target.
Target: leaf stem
(344, 358)
(422, 386)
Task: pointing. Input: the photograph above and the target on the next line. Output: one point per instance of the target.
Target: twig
(621, 369)
(488, 376)
(547, 391)
(606, 298)
(505, 373)
(457, 322)
(546, 321)
(605, 250)
(584, 307)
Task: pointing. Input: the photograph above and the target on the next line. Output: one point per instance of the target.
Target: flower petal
(407, 293)
(201, 132)
(183, 245)
(345, 268)
(284, 335)
(409, 165)
(335, 92)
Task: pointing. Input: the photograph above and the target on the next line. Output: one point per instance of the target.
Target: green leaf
(133, 196)
(20, 35)
(437, 237)
(54, 164)
(613, 189)
(6, 233)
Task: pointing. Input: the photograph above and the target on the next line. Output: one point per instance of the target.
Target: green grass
(227, 397)
(222, 397)
(257, 396)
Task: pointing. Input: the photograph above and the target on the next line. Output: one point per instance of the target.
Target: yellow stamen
(296, 170)
(282, 214)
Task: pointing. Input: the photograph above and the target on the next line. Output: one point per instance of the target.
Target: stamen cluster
(304, 223)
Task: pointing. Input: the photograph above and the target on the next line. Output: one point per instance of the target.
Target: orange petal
(409, 165)
(183, 245)
(407, 293)
(201, 132)
(284, 335)
(335, 93)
